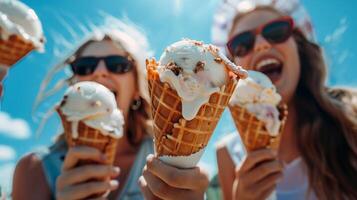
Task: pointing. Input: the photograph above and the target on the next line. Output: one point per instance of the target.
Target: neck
(288, 150)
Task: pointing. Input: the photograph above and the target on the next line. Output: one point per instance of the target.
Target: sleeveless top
(294, 184)
(53, 157)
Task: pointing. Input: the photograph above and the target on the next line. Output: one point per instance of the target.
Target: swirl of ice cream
(195, 71)
(259, 96)
(18, 19)
(257, 88)
(95, 105)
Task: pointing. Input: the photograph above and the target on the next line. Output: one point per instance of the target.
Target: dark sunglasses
(115, 64)
(275, 32)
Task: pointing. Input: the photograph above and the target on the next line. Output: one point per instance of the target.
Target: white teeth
(267, 62)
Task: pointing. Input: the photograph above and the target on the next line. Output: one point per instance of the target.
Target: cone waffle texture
(89, 136)
(13, 49)
(253, 132)
(175, 136)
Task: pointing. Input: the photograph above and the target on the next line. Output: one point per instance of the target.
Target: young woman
(116, 59)
(317, 158)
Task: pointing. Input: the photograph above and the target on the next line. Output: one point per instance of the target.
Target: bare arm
(226, 172)
(29, 180)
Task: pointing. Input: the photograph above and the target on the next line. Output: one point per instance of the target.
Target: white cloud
(337, 34)
(15, 128)
(7, 153)
(343, 56)
(6, 173)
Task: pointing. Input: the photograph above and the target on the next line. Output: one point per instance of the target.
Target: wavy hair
(327, 124)
(127, 36)
(327, 127)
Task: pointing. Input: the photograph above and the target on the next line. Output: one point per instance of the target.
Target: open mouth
(271, 67)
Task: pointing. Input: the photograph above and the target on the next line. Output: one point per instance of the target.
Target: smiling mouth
(271, 67)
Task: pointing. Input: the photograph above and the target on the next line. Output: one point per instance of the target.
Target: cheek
(243, 61)
(84, 78)
(126, 88)
(291, 71)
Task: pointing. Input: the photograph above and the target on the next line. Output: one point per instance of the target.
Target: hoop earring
(136, 104)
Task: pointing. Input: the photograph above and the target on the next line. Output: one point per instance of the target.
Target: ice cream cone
(174, 135)
(13, 49)
(89, 136)
(253, 131)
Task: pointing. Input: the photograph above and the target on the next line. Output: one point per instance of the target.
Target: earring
(136, 104)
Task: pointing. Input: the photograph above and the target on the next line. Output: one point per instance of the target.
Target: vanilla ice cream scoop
(18, 19)
(259, 96)
(195, 71)
(256, 88)
(95, 105)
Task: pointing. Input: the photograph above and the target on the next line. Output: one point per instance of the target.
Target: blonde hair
(125, 35)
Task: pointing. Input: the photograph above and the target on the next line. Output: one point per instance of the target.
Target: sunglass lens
(277, 32)
(84, 66)
(118, 64)
(242, 44)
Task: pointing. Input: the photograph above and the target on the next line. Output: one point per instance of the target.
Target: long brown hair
(326, 121)
(327, 127)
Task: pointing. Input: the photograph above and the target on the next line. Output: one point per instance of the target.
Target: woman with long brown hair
(113, 55)
(317, 157)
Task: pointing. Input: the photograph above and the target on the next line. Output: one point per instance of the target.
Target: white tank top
(293, 186)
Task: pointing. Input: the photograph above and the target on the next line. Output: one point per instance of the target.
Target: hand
(162, 181)
(256, 178)
(85, 180)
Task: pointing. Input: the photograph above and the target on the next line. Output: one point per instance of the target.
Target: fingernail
(150, 157)
(114, 184)
(115, 170)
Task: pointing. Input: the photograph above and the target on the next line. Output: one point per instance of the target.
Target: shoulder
(29, 179)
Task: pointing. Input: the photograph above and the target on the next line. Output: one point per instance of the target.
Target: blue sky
(164, 21)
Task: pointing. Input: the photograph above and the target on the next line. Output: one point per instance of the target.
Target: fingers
(269, 182)
(255, 157)
(75, 154)
(193, 179)
(263, 170)
(145, 190)
(99, 198)
(87, 189)
(265, 194)
(85, 173)
(162, 190)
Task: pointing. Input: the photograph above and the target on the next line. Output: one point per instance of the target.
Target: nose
(261, 44)
(101, 70)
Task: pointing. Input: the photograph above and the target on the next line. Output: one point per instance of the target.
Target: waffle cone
(173, 135)
(89, 136)
(13, 49)
(252, 131)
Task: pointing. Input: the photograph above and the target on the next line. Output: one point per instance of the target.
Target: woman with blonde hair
(113, 55)
(317, 157)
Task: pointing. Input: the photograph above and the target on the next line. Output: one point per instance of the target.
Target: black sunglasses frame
(87, 65)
